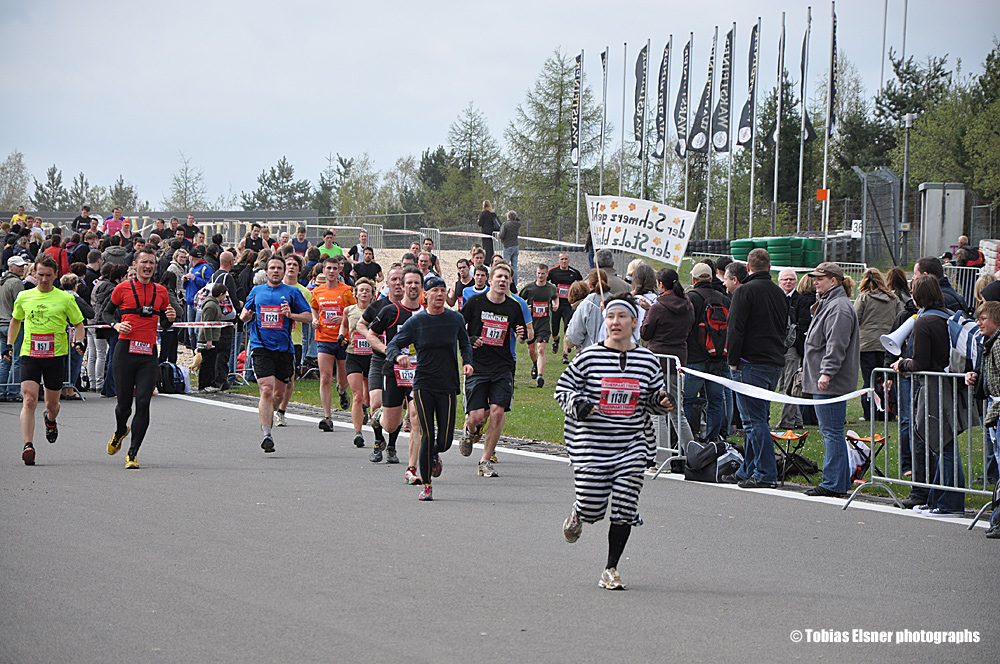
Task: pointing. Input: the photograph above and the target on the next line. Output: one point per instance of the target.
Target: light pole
(904, 224)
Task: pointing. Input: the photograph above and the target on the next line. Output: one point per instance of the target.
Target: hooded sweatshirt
(876, 313)
(667, 325)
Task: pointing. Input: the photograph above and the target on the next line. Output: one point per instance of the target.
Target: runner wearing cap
(273, 306)
(45, 312)
(607, 393)
(434, 334)
(137, 305)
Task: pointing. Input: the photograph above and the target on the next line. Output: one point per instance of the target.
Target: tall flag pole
(721, 118)
(639, 118)
(701, 137)
(747, 132)
(803, 74)
(575, 135)
(777, 123)
(662, 107)
(682, 113)
(831, 103)
(621, 165)
(604, 116)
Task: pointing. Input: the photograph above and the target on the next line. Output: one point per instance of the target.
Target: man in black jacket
(758, 321)
(931, 266)
(225, 344)
(700, 359)
(791, 417)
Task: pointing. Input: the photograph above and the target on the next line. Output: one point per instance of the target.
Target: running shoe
(436, 466)
(326, 424)
(390, 456)
(610, 580)
(922, 508)
(115, 443)
(411, 476)
(28, 455)
(267, 445)
(364, 409)
(345, 402)
(494, 459)
(478, 435)
(534, 370)
(376, 454)
(465, 447)
(937, 511)
(359, 440)
(426, 493)
(565, 359)
(131, 463)
(572, 527)
(51, 430)
(541, 382)
(486, 469)
(555, 344)
(406, 424)
(279, 419)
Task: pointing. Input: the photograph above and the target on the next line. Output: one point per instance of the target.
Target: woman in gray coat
(830, 367)
(877, 307)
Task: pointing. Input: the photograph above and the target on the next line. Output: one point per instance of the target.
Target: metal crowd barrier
(375, 239)
(963, 280)
(435, 235)
(960, 421)
(667, 427)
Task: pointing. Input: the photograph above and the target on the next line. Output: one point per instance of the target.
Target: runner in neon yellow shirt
(45, 312)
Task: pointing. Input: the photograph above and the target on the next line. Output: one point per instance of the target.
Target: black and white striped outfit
(609, 449)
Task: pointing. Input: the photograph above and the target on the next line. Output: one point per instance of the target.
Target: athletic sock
(377, 428)
(280, 410)
(266, 428)
(393, 436)
(617, 537)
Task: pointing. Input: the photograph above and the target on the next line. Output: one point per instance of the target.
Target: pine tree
(278, 190)
(52, 195)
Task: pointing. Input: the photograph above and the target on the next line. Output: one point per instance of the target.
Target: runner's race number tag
(331, 312)
(361, 345)
(43, 345)
(271, 317)
(494, 332)
(539, 309)
(563, 291)
(140, 347)
(404, 375)
(619, 396)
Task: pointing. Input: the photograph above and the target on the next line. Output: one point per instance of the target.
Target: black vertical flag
(832, 101)
(748, 116)
(575, 122)
(681, 108)
(720, 121)
(640, 99)
(808, 134)
(661, 105)
(701, 128)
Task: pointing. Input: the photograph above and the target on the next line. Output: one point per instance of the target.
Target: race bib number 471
(619, 396)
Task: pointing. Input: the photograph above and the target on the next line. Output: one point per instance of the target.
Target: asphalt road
(214, 552)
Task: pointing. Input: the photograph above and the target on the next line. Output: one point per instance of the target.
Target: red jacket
(61, 257)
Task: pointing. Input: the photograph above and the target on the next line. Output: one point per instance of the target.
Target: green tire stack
(780, 250)
(740, 249)
(812, 251)
(796, 252)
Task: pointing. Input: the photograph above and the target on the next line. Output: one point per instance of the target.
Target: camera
(146, 311)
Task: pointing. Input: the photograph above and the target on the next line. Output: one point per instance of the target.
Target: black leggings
(135, 375)
(430, 405)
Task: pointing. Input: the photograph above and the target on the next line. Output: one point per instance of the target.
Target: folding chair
(788, 445)
(868, 452)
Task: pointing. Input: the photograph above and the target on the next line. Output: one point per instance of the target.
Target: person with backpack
(706, 347)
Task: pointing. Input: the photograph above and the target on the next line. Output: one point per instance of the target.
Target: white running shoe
(611, 580)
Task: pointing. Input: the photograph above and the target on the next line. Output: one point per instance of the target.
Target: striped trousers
(620, 485)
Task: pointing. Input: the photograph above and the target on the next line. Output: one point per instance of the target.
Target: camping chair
(867, 449)
(789, 445)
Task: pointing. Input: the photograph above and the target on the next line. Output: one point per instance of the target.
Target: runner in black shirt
(563, 277)
(490, 318)
(368, 267)
(397, 380)
(375, 379)
(464, 280)
(434, 334)
(542, 299)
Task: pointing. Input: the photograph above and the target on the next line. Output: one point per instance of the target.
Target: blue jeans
(836, 467)
(714, 393)
(75, 363)
(904, 389)
(10, 370)
(109, 377)
(510, 255)
(948, 471)
(193, 315)
(758, 461)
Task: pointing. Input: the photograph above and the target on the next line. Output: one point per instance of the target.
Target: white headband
(621, 304)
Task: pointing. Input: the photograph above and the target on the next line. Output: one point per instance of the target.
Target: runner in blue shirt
(480, 285)
(270, 310)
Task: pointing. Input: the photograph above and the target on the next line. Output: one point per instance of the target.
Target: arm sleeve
(299, 301)
(569, 392)
(841, 327)
(735, 328)
(84, 306)
(577, 330)
(464, 345)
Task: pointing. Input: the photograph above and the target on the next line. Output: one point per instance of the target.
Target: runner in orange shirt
(328, 305)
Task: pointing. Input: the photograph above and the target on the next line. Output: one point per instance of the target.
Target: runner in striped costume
(606, 393)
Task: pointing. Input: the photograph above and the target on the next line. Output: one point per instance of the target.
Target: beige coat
(876, 314)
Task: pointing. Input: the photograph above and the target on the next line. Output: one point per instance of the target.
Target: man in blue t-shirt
(269, 312)
(479, 285)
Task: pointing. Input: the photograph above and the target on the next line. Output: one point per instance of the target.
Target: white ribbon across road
(768, 395)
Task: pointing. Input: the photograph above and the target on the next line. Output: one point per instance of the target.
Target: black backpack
(712, 328)
(170, 379)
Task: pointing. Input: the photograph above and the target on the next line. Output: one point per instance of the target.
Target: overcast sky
(109, 87)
